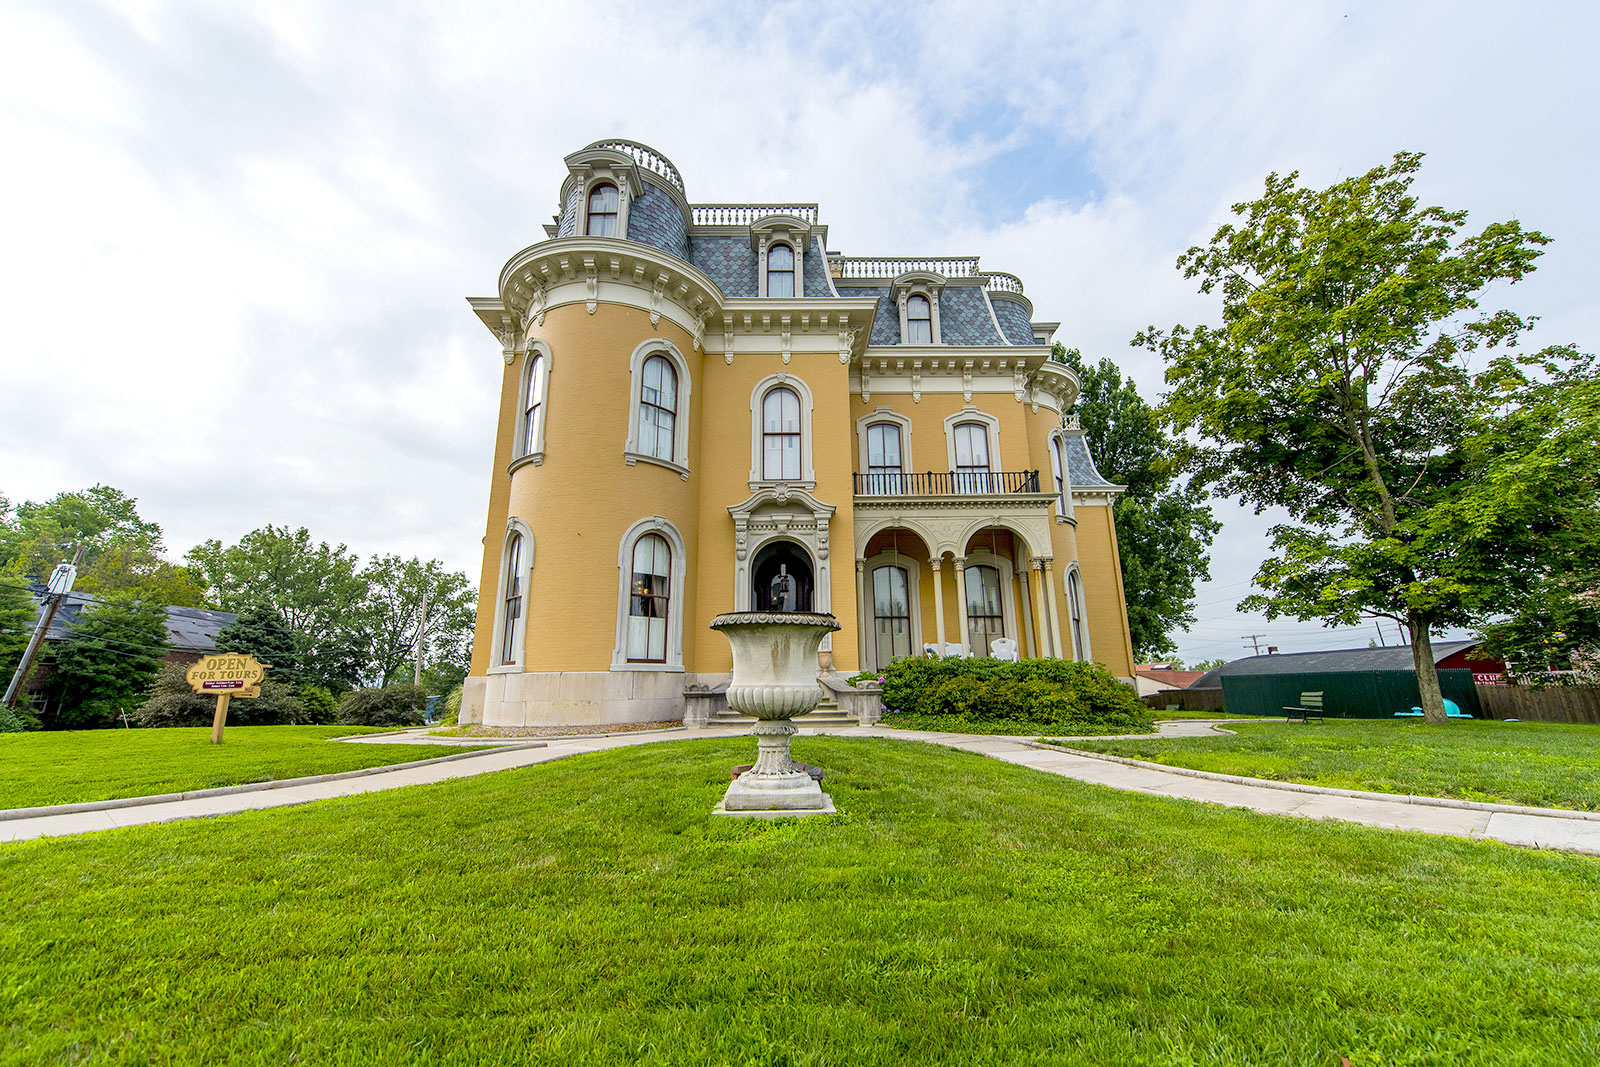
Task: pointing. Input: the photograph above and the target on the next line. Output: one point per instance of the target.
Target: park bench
(1310, 707)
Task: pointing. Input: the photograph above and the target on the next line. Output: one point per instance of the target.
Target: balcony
(948, 484)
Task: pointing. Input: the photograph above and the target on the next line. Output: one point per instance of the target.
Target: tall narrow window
(658, 408)
(511, 617)
(919, 321)
(603, 207)
(883, 458)
(648, 599)
(985, 615)
(1080, 639)
(891, 609)
(1059, 469)
(780, 436)
(535, 406)
(780, 270)
(972, 458)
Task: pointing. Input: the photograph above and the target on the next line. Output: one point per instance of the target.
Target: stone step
(825, 715)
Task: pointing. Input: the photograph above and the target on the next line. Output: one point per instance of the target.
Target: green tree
(1339, 387)
(105, 664)
(396, 588)
(1164, 528)
(315, 590)
(173, 703)
(17, 618)
(261, 632)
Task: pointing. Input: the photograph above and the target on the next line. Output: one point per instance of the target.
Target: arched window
(658, 409)
(919, 320)
(780, 436)
(891, 611)
(604, 206)
(883, 458)
(649, 599)
(1080, 635)
(1058, 467)
(780, 270)
(985, 610)
(511, 605)
(533, 410)
(972, 457)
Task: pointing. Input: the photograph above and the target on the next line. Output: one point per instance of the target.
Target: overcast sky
(235, 238)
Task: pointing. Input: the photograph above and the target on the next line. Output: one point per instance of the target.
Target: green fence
(1345, 694)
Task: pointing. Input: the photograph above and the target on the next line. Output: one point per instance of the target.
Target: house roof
(188, 629)
(1343, 659)
(1081, 470)
(1171, 678)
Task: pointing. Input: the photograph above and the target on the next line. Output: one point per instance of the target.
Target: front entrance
(781, 578)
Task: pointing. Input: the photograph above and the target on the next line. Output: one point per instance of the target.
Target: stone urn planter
(774, 679)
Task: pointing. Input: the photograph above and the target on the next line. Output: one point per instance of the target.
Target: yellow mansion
(704, 409)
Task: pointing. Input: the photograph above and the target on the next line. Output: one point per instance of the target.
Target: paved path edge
(1303, 787)
(9, 814)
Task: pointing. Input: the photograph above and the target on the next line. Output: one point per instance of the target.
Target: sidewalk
(1531, 827)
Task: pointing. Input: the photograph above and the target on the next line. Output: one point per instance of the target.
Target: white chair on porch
(1004, 648)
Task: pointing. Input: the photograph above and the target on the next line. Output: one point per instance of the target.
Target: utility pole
(422, 628)
(1255, 641)
(1381, 642)
(61, 581)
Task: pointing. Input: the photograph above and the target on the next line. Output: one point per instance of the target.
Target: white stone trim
(631, 453)
(758, 395)
(918, 283)
(625, 193)
(913, 597)
(1057, 447)
(1080, 635)
(532, 451)
(881, 415)
(970, 413)
(1009, 618)
(619, 653)
(519, 640)
(802, 519)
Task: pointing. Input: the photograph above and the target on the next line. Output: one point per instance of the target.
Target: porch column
(938, 602)
(1026, 629)
(864, 617)
(1043, 633)
(1049, 579)
(961, 603)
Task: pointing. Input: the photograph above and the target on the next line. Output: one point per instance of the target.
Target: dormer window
(919, 320)
(604, 208)
(780, 270)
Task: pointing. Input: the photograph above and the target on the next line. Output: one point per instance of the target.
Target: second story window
(780, 436)
(604, 206)
(883, 458)
(972, 457)
(533, 411)
(658, 408)
(919, 320)
(780, 270)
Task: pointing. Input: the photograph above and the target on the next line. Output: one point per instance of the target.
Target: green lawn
(956, 724)
(960, 911)
(79, 765)
(1543, 764)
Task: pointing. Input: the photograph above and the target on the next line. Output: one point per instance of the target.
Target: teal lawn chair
(1451, 709)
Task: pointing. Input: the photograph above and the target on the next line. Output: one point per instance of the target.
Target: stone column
(864, 619)
(1025, 631)
(1049, 580)
(938, 601)
(961, 603)
(1043, 633)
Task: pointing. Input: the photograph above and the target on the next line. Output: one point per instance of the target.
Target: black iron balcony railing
(947, 483)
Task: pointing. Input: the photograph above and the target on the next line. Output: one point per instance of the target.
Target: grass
(73, 766)
(960, 911)
(1180, 713)
(1542, 764)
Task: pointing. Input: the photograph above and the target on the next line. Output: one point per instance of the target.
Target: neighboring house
(704, 409)
(1151, 678)
(191, 632)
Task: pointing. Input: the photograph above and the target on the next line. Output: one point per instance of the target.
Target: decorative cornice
(991, 502)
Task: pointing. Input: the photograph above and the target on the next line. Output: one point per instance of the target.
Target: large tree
(105, 664)
(314, 588)
(1164, 526)
(1341, 387)
(396, 591)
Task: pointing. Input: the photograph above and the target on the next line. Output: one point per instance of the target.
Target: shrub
(1050, 692)
(173, 703)
(392, 705)
(452, 708)
(322, 707)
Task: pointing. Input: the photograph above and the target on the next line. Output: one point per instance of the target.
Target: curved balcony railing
(947, 483)
(745, 214)
(646, 157)
(894, 266)
(1000, 282)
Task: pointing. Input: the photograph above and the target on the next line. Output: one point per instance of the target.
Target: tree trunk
(1427, 672)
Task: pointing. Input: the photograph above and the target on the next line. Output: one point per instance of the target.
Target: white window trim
(972, 414)
(520, 640)
(904, 291)
(869, 622)
(655, 524)
(797, 244)
(1057, 447)
(808, 474)
(525, 451)
(604, 176)
(882, 415)
(1083, 654)
(1012, 621)
(631, 454)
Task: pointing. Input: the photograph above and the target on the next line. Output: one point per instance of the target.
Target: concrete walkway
(1541, 828)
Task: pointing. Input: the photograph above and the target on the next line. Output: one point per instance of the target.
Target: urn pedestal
(774, 679)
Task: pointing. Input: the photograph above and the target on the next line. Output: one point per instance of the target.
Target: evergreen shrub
(322, 707)
(1077, 697)
(392, 705)
(173, 703)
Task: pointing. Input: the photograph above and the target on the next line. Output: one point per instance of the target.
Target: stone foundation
(577, 698)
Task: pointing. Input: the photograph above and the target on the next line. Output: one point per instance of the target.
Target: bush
(393, 705)
(173, 703)
(452, 708)
(1050, 692)
(322, 707)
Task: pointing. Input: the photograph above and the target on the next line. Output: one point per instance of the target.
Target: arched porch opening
(782, 578)
(894, 588)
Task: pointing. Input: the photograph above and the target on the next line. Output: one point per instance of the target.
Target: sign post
(227, 675)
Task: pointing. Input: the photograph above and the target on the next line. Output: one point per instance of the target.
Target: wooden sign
(226, 675)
